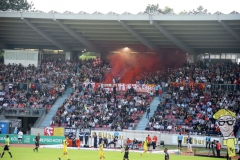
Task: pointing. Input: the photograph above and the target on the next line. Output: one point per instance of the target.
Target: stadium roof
(202, 33)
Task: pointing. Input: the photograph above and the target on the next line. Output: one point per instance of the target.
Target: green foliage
(154, 8)
(199, 10)
(15, 5)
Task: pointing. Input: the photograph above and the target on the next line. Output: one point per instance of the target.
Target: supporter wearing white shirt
(119, 106)
(20, 135)
(169, 127)
(131, 110)
(2, 93)
(181, 88)
(5, 104)
(10, 85)
(95, 120)
(93, 124)
(156, 126)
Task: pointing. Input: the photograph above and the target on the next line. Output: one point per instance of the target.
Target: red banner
(190, 84)
(48, 131)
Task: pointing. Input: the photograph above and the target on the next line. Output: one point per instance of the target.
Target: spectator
(95, 140)
(180, 137)
(154, 142)
(105, 141)
(135, 144)
(218, 148)
(114, 141)
(189, 143)
(208, 141)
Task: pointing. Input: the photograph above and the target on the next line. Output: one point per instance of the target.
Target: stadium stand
(101, 109)
(189, 108)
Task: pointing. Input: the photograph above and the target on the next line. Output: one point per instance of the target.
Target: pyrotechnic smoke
(130, 66)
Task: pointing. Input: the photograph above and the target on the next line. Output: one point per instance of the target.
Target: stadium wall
(23, 57)
(169, 139)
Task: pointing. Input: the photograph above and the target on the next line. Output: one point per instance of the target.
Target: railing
(208, 86)
(25, 86)
(24, 112)
(226, 87)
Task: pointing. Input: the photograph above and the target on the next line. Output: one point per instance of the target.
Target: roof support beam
(175, 40)
(77, 36)
(230, 30)
(138, 36)
(47, 37)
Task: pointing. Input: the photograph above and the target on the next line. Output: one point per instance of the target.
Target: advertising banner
(196, 140)
(108, 134)
(3, 127)
(13, 138)
(48, 131)
(30, 139)
(73, 130)
(51, 139)
(58, 131)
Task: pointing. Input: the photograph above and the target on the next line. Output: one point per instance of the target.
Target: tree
(199, 10)
(154, 8)
(184, 12)
(16, 5)
(167, 10)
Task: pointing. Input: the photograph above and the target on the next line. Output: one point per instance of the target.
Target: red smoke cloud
(130, 66)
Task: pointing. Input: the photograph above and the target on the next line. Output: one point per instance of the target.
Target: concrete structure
(193, 34)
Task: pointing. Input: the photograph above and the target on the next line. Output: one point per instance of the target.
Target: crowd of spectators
(208, 73)
(182, 107)
(19, 88)
(190, 109)
(101, 109)
(39, 86)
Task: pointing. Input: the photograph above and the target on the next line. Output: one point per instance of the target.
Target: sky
(133, 6)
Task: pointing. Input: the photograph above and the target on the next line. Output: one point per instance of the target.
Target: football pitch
(22, 153)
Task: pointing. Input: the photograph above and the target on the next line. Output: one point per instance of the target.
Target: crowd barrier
(126, 86)
(25, 86)
(23, 112)
(169, 139)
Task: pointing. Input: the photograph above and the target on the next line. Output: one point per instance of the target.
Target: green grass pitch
(22, 153)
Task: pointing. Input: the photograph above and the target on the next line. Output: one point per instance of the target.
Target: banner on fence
(196, 140)
(48, 131)
(58, 131)
(30, 139)
(189, 84)
(108, 134)
(68, 130)
(123, 86)
(13, 138)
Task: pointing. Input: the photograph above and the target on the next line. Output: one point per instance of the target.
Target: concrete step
(53, 110)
